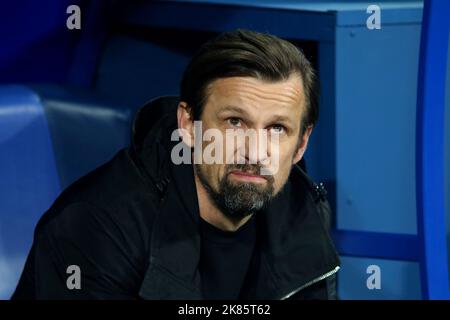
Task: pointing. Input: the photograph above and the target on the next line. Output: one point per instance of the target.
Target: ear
(186, 123)
(303, 143)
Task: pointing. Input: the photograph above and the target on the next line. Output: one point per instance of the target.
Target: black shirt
(225, 259)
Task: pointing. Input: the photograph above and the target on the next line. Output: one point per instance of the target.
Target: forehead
(286, 96)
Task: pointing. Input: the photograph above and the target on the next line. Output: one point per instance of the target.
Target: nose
(254, 149)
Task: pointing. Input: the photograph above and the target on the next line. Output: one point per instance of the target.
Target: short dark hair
(244, 53)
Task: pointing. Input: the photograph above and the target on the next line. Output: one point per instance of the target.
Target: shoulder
(111, 258)
(112, 200)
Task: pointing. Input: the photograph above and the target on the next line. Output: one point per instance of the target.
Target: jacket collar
(175, 245)
(294, 247)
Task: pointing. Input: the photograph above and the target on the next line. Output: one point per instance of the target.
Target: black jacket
(132, 227)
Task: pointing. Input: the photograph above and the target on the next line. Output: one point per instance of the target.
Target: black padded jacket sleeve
(89, 239)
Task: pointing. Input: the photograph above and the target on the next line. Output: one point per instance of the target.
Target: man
(146, 226)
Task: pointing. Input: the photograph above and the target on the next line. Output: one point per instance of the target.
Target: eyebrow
(280, 118)
(275, 118)
(230, 108)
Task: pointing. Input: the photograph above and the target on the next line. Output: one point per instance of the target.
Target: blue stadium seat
(49, 137)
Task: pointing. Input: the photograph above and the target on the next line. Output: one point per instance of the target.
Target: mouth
(248, 176)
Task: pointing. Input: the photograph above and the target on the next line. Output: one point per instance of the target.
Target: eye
(235, 122)
(278, 128)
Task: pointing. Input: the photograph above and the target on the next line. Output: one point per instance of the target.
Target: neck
(211, 214)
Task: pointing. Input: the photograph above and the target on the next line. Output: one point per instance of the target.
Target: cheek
(213, 172)
(284, 166)
(283, 154)
(219, 171)
(282, 175)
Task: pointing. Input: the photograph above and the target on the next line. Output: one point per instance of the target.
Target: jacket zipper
(310, 283)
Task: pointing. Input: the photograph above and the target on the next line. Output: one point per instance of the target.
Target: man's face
(248, 103)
